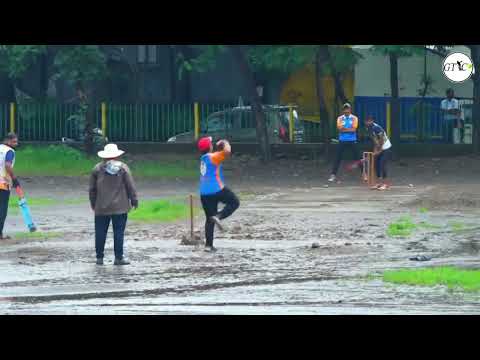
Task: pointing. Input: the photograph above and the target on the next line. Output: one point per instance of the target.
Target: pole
(197, 120)
(389, 119)
(191, 217)
(291, 125)
(12, 117)
(104, 119)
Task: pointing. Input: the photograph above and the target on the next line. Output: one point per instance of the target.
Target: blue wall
(432, 127)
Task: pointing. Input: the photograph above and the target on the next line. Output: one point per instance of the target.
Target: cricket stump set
(369, 168)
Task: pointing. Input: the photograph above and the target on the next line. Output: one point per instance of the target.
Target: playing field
(265, 263)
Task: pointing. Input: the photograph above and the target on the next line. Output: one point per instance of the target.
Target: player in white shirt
(382, 151)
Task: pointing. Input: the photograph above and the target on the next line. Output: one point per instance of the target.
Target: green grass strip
(453, 278)
(161, 211)
(59, 160)
(37, 235)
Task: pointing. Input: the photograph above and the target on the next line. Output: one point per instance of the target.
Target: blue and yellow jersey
(348, 126)
(211, 173)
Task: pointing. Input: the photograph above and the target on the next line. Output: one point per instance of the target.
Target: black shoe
(210, 249)
(99, 261)
(121, 262)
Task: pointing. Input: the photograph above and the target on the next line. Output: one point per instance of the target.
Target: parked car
(239, 125)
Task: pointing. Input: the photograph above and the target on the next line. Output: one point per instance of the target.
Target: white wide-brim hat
(111, 151)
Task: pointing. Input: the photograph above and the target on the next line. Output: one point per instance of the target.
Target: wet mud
(265, 264)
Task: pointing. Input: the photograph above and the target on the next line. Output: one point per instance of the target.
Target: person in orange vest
(8, 179)
(347, 125)
(213, 189)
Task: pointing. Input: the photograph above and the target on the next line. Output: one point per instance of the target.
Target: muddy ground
(265, 263)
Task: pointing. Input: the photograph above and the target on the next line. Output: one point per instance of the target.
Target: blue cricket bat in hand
(27, 217)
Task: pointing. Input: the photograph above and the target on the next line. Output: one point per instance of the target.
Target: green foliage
(454, 278)
(160, 211)
(205, 60)
(80, 63)
(284, 58)
(16, 59)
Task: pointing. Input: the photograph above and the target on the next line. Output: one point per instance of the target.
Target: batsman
(382, 151)
(8, 179)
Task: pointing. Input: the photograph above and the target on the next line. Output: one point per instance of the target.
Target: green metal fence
(50, 122)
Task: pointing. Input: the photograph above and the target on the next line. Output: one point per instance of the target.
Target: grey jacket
(112, 194)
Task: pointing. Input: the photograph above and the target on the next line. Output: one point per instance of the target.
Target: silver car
(238, 125)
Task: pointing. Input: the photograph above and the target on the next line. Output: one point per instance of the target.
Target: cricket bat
(27, 217)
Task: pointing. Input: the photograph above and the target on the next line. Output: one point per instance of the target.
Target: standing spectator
(452, 115)
(347, 125)
(7, 177)
(112, 196)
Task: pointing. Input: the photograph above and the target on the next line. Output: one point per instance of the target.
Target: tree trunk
(257, 108)
(475, 49)
(320, 61)
(340, 93)
(89, 118)
(395, 115)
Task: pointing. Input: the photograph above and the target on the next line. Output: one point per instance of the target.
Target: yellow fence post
(291, 125)
(12, 117)
(197, 120)
(389, 119)
(104, 120)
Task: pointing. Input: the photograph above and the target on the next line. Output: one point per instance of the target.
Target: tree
(80, 65)
(328, 60)
(205, 59)
(394, 53)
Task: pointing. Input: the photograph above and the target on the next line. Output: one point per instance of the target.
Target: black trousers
(102, 223)
(4, 199)
(381, 163)
(348, 145)
(210, 206)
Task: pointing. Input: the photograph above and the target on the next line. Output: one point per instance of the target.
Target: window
(147, 54)
(216, 124)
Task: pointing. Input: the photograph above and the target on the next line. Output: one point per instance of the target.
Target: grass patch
(37, 235)
(426, 225)
(60, 160)
(456, 226)
(13, 202)
(402, 228)
(453, 278)
(161, 211)
(52, 160)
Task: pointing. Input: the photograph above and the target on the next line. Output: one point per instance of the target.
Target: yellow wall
(300, 89)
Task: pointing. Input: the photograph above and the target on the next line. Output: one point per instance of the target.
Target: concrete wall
(372, 75)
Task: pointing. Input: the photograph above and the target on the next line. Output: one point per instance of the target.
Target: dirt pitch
(265, 263)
